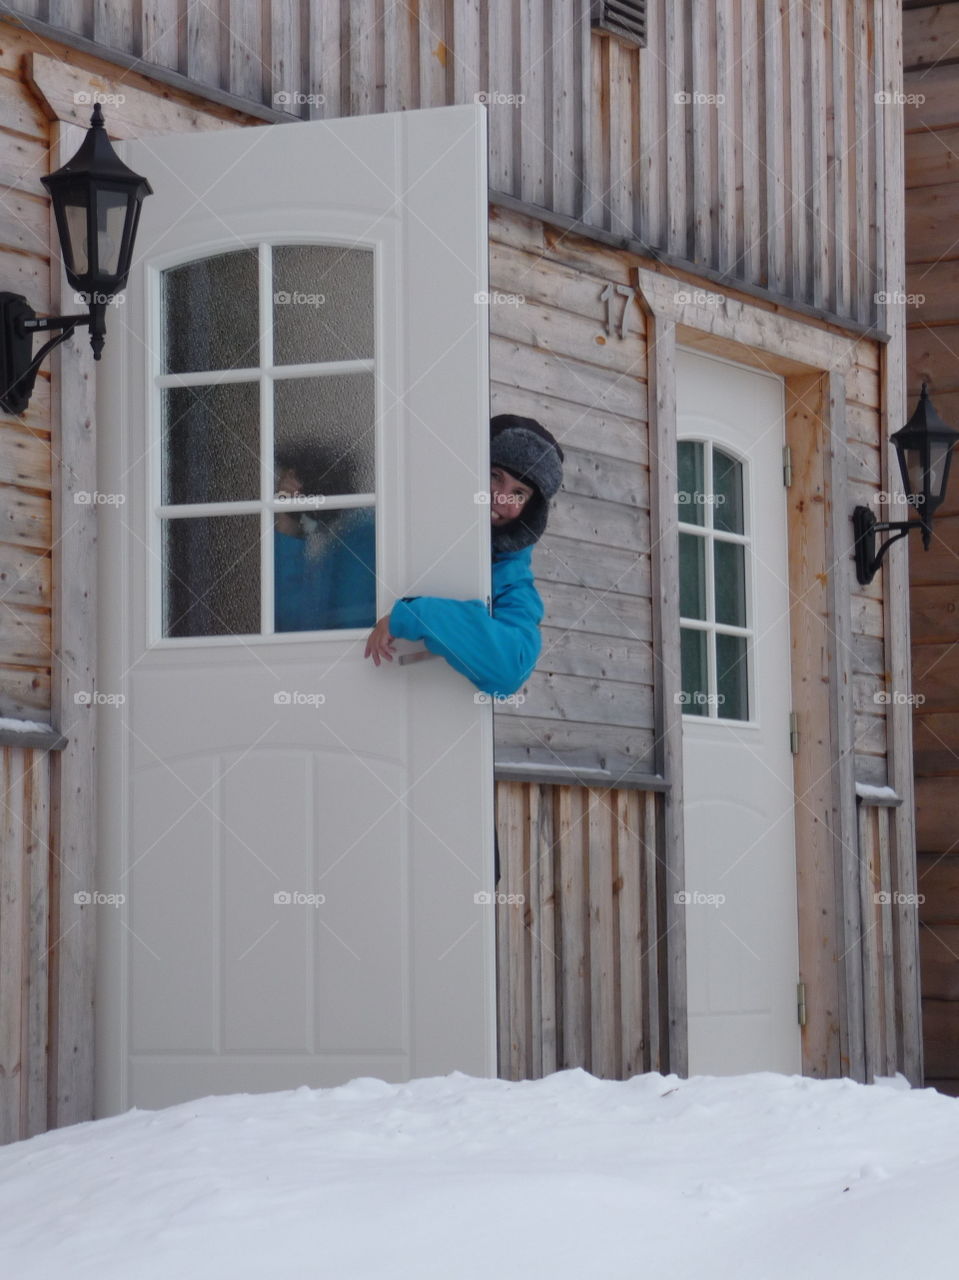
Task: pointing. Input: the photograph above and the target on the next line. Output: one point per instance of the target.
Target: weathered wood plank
(547, 934)
(620, 750)
(533, 48)
(37, 853)
(555, 332)
(930, 35)
(12, 991)
(573, 915)
(161, 38)
(247, 68)
(585, 385)
(628, 835)
(25, 693)
(603, 992)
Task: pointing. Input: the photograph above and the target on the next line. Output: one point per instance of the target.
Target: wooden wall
(580, 928)
(746, 138)
(590, 700)
(931, 56)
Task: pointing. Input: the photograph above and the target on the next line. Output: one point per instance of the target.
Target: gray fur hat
(524, 448)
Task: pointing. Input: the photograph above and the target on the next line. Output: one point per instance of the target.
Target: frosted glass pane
(327, 427)
(210, 316)
(690, 490)
(730, 580)
(325, 570)
(322, 303)
(211, 576)
(727, 493)
(692, 576)
(694, 676)
(211, 441)
(731, 702)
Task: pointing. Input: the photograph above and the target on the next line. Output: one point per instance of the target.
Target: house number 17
(607, 296)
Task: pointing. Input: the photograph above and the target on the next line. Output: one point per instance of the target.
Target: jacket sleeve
(496, 653)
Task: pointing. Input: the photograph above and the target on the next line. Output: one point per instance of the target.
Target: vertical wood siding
(745, 138)
(25, 858)
(887, 918)
(580, 934)
(930, 44)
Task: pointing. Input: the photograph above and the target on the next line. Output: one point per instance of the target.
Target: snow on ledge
(24, 726)
(876, 795)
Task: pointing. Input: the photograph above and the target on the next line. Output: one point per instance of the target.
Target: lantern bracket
(18, 363)
(866, 526)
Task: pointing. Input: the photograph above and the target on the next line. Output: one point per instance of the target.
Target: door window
(267, 409)
(714, 606)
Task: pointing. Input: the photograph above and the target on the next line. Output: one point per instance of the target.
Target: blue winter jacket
(336, 590)
(496, 653)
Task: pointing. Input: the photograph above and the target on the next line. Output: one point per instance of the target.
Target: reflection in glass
(211, 576)
(211, 443)
(690, 490)
(730, 579)
(210, 313)
(325, 570)
(694, 674)
(333, 417)
(692, 576)
(731, 685)
(322, 303)
(727, 493)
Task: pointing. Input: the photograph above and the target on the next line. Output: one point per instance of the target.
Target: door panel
(741, 906)
(298, 835)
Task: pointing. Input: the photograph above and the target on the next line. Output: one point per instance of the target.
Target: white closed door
(292, 840)
(740, 855)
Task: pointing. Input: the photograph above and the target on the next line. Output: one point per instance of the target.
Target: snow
(749, 1177)
(23, 726)
(867, 791)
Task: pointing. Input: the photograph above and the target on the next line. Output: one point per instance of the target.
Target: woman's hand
(379, 642)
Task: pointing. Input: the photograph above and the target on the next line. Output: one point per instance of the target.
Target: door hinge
(794, 733)
(787, 466)
(801, 1003)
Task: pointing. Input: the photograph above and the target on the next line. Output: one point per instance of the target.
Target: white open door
(295, 838)
(742, 958)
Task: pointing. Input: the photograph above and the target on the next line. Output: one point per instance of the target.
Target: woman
(497, 653)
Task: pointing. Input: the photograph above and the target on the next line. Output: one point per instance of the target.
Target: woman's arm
(497, 654)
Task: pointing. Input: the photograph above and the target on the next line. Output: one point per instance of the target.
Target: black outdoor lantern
(96, 201)
(924, 447)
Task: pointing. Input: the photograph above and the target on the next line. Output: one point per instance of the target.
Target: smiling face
(508, 496)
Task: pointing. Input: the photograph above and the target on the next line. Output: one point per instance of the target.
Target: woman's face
(508, 496)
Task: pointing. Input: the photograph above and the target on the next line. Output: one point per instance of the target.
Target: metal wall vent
(623, 18)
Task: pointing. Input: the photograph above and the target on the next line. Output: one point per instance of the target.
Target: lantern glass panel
(910, 463)
(938, 456)
(111, 218)
(75, 217)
